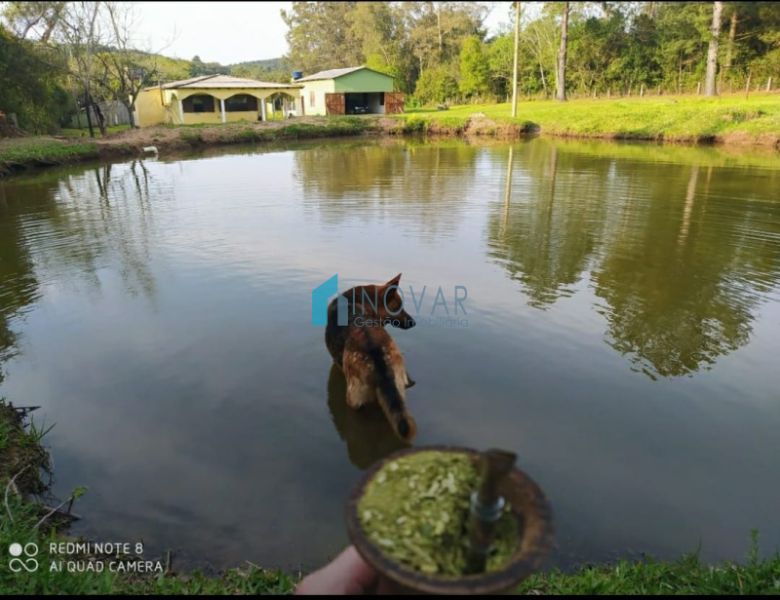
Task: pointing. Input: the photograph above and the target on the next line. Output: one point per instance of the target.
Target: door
(394, 103)
(335, 104)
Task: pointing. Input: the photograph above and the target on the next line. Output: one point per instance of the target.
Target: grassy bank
(691, 119)
(728, 119)
(22, 459)
(18, 154)
(688, 575)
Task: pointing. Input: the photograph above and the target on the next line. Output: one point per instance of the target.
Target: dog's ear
(395, 281)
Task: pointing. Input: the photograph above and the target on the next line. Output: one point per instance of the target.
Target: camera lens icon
(29, 551)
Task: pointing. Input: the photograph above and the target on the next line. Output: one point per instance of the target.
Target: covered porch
(190, 107)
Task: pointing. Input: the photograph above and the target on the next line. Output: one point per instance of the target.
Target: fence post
(769, 84)
(747, 87)
(698, 88)
(642, 90)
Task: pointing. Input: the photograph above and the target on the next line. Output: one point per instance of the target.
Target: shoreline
(21, 444)
(466, 122)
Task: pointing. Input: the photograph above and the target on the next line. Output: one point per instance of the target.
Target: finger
(348, 573)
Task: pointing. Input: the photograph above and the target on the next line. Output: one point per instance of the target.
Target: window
(241, 103)
(199, 103)
(311, 98)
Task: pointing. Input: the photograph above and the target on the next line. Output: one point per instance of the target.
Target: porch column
(303, 106)
(222, 108)
(262, 108)
(181, 111)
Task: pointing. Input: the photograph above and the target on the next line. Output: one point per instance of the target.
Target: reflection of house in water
(421, 187)
(680, 279)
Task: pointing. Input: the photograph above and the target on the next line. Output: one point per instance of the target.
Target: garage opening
(365, 103)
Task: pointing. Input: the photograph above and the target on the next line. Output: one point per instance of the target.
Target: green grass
(84, 132)
(18, 153)
(675, 118)
(687, 575)
(236, 133)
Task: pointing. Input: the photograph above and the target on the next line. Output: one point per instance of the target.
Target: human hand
(348, 573)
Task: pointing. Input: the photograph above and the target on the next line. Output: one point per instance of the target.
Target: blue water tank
(297, 75)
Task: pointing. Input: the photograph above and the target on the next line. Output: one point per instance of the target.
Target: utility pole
(712, 51)
(517, 49)
(561, 78)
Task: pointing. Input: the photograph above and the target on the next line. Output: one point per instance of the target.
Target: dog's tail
(394, 406)
(390, 395)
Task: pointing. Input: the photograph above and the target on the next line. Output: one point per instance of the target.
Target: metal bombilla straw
(486, 506)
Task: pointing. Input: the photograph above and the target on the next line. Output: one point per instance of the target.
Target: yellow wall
(202, 117)
(320, 88)
(152, 110)
(243, 115)
(149, 108)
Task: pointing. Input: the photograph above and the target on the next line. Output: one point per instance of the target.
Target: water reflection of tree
(18, 284)
(71, 224)
(103, 213)
(424, 186)
(679, 276)
(549, 224)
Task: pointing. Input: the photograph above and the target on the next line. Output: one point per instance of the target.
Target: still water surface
(622, 337)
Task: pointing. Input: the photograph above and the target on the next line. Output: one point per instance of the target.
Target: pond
(622, 312)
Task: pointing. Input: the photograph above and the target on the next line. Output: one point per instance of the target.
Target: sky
(229, 32)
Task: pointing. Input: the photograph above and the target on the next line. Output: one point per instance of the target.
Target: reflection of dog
(372, 363)
(366, 432)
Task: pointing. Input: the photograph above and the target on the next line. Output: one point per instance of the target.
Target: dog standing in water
(372, 363)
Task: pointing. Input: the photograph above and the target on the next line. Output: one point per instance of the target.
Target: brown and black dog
(372, 363)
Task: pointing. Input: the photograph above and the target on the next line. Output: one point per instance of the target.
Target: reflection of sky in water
(162, 321)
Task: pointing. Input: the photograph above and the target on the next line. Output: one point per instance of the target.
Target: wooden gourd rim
(535, 513)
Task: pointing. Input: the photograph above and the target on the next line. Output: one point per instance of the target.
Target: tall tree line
(58, 56)
(441, 51)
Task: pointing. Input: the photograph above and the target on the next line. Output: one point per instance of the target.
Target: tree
(561, 71)
(27, 18)
(127, 70)
(540, 38)
(436, 84)
(83, 36)
(437, 30)
(380, 30)
(474, 70)
(712, 52)
(31, 84)
(319, 33)
(499, 59)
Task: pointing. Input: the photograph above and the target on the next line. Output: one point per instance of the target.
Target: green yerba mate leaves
(416, 510)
